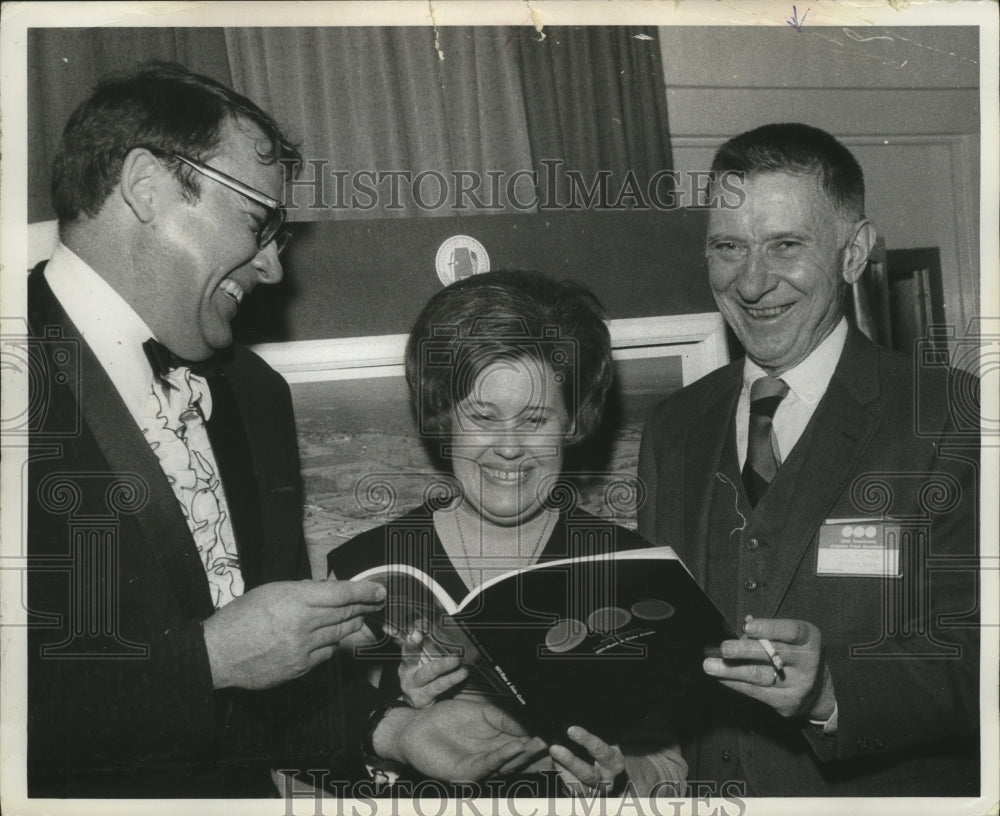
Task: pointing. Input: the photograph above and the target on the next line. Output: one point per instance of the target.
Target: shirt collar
(112, 328)
(808, 380)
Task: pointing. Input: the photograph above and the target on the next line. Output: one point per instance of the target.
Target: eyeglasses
(272, 228)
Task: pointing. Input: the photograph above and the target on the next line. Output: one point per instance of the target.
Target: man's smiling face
(778, 266)
(202, 256)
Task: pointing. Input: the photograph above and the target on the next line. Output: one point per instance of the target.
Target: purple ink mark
(794, 20)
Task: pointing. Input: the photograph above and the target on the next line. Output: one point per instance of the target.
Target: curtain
(64, 64)
(371, 100)
(406, 121)
(498, 112)
(596, 100)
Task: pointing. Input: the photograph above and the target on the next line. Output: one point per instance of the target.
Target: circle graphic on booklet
(566, 634)
(608, 618)
(652, 609)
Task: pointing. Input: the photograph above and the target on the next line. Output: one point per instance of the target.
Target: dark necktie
(762, 447)
(162, 361)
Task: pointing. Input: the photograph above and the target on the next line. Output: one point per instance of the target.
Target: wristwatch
(384, 772)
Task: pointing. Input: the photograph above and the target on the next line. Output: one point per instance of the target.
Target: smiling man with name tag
(824, 491)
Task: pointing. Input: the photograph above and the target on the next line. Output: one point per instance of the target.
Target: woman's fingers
(424, 679)
(434, 668)
(572, 768)
(587, 778)
(411, 644)
(603, 754)
(441, 685)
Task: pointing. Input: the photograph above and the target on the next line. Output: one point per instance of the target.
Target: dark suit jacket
(120, 697)
(893, 437)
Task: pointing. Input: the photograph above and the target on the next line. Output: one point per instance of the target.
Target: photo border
(19, 17)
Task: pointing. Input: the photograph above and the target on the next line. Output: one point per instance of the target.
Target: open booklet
(598, 641)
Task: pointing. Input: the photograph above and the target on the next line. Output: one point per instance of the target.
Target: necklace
(467, 555)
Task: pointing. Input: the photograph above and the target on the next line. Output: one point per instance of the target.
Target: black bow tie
(162, 361)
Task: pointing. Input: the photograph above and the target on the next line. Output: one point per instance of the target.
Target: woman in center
(506, 372)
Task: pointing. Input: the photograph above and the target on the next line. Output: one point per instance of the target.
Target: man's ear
(858, 249)
(141, 176)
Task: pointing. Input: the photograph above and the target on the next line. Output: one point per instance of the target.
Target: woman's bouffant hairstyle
(509, 316)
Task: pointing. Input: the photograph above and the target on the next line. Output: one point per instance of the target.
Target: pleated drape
(502, 102)
(505, 113)
(64, 64)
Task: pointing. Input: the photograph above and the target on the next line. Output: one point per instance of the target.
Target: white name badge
(859, 547)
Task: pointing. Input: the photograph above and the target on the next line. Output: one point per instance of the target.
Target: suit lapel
(263, 548)
(126, 451)
(837, 435)
(703, 452)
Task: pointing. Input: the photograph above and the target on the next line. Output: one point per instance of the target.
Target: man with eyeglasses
(177, 647)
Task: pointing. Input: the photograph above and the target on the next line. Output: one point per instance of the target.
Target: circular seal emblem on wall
(461, 256)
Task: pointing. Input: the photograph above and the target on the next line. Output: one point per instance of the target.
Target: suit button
(862, 744)
(726, 756)
(750, 584)
(752, 544)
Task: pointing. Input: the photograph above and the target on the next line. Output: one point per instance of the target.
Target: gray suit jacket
(892, 438)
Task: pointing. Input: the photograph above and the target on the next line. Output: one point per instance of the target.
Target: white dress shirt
(807, 383)
(112, 329)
